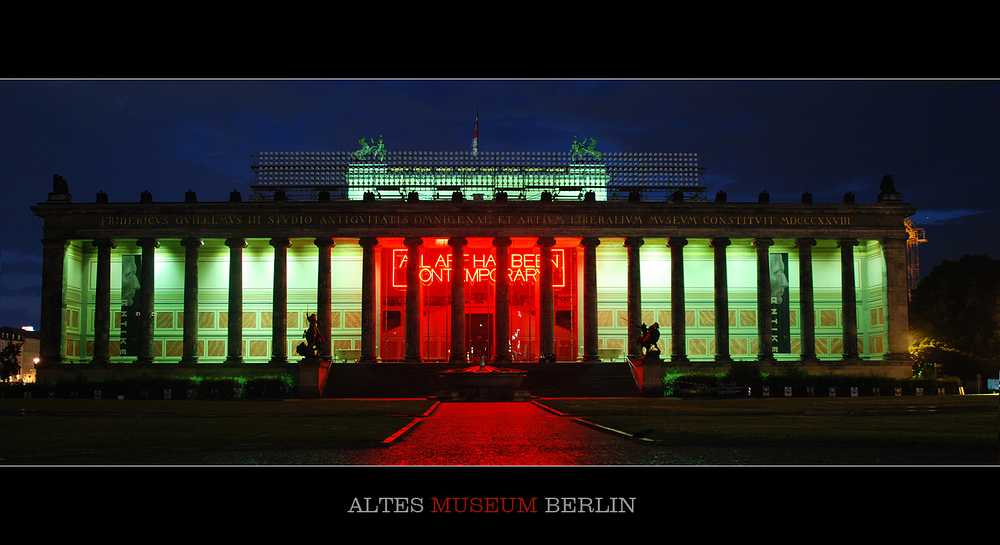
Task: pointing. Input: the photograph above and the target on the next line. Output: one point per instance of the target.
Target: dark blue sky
(940, 139)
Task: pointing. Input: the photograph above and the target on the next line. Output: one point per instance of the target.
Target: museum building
(455, 258)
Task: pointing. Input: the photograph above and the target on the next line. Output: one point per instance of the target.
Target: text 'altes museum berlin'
(457, 258)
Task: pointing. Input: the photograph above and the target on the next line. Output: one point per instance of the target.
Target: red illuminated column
(590, 343)
(235, 353)
(190, 342)
(368, 302)
(765, 342)
(457, 300)
(324, 298)
(678, 317)
(546, 304)
(849, 298)
(634, 296)
(279, 302)
(807, 314)
(412, 332)
(102, 302)
(502, 312)
(721, 301)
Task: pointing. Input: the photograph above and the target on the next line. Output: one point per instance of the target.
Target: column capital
(720, 242)
(192, 241)
(677, 241)
(324, 242)
(413, 241)
(805, 241)
(763, 242)
(847, 242)
(546, 241)
(457, 241)
(368, 241)
(634, 242)
(148, 242)
(501, 241)
(280, 242)
(103, 243)
(236, 242)
(591, 242)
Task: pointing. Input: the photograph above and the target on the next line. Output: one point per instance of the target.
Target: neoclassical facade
(207, 286)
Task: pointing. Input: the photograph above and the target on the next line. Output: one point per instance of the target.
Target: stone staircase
(421, 380)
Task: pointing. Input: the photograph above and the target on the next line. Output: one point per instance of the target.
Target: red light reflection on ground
(500, 433)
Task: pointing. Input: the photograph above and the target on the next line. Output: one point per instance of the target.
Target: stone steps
(422, 380)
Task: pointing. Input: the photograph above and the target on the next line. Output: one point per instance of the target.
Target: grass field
(35, 427)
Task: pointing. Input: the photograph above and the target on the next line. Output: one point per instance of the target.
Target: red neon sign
(479, 267)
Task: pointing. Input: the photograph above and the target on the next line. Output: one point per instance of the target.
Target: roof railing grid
(489, 171)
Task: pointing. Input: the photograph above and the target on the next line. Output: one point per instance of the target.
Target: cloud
(942, 217)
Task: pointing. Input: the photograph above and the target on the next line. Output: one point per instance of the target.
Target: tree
(955, 318)
(10, 360)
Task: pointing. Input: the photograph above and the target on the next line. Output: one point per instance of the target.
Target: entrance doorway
(479, 336)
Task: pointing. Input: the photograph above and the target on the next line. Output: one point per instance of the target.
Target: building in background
(562, 258)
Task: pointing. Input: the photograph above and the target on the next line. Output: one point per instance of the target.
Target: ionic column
(501, 324)
(590, 342)
(50, 348)
(765, 342)
(897, 299)
(546, 304)
(807, 312)
(634, 296)
(849, 298)
(369, 306)
(279, 302)
(678, 318)
(235, 338)
(721, 301)
(457, 300)
(324, 298)
(190, 342)
(412, 332)
(146, 313)
(102, 302)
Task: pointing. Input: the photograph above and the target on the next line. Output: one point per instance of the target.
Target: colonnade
(53, 269)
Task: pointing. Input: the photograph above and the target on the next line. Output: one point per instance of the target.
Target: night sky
(939, 139)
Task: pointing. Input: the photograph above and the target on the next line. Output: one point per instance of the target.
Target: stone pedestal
(650, 375)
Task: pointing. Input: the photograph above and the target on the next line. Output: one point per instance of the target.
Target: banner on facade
(131, 287)
(780, 323)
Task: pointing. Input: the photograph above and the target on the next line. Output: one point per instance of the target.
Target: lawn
(34, 427)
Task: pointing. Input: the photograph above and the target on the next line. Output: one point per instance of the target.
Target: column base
(278, 361)
(188, 361)
(590, 358)
(368, 359)
(724, 359)
(681, 359)
(234, 360)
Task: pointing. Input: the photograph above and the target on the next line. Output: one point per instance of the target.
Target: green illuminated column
(369, 352)
(50, 350)
(191, 246)
(412, 331)
(235, 352)
(546, 304)
(765, 343)
(849, 298)
(457, 300)
(721, 301)
(279, 302)
(590, 342)
(897, 300)
(102, 302)
(146, 309)
(324, 298)
(634, 296)
(678, 317)
(807, 312)
(502, 312)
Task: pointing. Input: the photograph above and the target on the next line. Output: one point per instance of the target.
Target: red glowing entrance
(479, 275)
